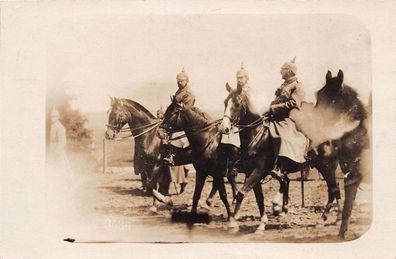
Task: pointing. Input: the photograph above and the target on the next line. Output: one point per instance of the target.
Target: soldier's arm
(295, 100)
(188, 99)
(298, 94)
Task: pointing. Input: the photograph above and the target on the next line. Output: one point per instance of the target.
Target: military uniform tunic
(293, 144)
(186, 96)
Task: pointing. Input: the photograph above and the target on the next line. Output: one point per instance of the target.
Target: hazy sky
(138, 57)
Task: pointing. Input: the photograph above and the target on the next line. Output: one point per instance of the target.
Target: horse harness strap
(133, 129)
(197, 130)
(153, 126)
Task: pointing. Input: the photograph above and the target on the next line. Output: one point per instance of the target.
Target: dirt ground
(112, 208)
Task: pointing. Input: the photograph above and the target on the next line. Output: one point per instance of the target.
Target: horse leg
(211, 194)
(232, 180)
(280, 195)
(143, 177)
(258, 193)
(327, 167)
(285, 205)
(152, 182)
(352, 182)
(153, 207)
(254, 178)
(199, 184)
(223, 193)
(333, 194)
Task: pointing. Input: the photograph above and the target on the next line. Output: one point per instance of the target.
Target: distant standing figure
(57, 141)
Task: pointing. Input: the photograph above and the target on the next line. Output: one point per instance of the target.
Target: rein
(196, 130)
(133, 129)
(148, 128)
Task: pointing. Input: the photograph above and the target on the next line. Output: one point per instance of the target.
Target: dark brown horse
(149, 149)
(204, 137)
(143, 127)
(345, 150)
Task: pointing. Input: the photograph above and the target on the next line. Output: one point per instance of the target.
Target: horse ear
(328, 76)
(238, 89)
(113, 100)
(340, 76)
(228, 87)
(171, 98)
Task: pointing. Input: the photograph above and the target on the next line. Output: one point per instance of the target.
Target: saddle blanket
(231, 138)
(181, 142)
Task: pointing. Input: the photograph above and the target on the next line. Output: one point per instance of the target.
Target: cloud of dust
(321, 124)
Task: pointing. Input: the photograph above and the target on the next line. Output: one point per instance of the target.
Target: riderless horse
(345, 150)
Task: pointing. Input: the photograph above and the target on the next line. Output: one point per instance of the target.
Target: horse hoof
(209, 202)
(324, 217)
(264, 219)
(276, 209)
(205, 207)
(153, 209)
(341, 237)
(260, 229)
(232, 224)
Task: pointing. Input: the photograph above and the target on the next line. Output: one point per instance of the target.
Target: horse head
(235, 107)
(331, 91)
(172, 118)
(118, 117)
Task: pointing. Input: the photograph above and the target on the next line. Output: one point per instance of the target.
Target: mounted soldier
(230, 141)
(288, 141)
(185, 97)
(290, 145)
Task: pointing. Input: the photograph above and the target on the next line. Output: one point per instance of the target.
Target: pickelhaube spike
(242, 71)
(182, 75)
(291, 65)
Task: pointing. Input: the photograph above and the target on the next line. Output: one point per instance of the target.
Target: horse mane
(348, 102)
(139, 107)
(200, 116)
(247, 102)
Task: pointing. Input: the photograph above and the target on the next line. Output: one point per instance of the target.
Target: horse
(148, 148)
(202, 133)
(204, 137)
(143, 126)
(345, 150)
(240, 112)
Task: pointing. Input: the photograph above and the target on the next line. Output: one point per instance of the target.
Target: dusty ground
(111, 208)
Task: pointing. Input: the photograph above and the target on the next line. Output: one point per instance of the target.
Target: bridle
(119, 127)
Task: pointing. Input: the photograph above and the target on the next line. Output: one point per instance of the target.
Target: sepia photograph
(211, 128)
(150, 129)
